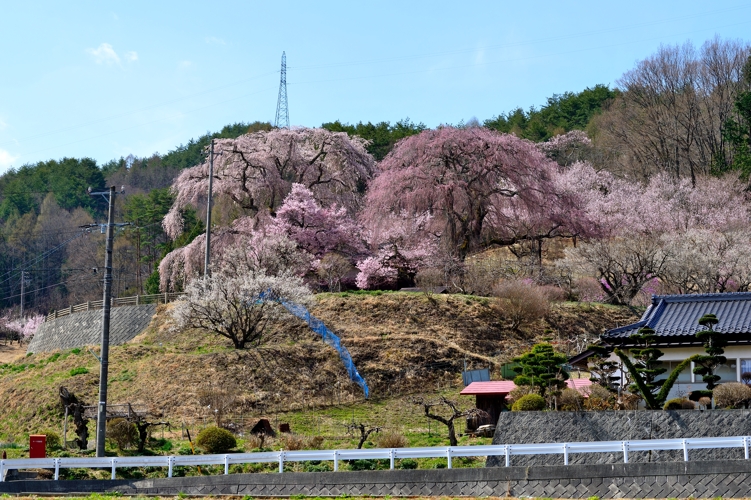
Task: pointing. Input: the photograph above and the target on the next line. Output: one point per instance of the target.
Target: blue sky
(108, 79)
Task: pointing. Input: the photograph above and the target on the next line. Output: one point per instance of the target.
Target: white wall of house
(739, 361)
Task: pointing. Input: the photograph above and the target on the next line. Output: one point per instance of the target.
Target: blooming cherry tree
(256, 171)
(232, 301)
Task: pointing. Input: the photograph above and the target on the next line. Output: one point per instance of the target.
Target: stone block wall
(85, 328)
(727, 479)
(563, 426)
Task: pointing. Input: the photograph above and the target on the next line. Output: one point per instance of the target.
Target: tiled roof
(498, 387)
(678, 315)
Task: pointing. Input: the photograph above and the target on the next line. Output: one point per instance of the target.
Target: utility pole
(206, 269)
(101, 421)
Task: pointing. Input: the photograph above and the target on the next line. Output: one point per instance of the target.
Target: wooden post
(65, 429)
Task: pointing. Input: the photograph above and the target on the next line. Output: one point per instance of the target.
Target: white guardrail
(392, 454)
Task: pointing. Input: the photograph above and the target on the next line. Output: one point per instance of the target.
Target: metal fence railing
(159, 298)
(391, 454)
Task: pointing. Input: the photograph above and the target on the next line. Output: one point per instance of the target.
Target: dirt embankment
(401, 343)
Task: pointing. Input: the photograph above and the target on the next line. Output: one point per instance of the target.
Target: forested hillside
(603, 193)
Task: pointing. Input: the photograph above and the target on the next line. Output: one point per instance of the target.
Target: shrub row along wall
(85, 328)
(561, 426)
(727, 479)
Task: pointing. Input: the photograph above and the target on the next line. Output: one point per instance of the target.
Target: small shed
(490, 396)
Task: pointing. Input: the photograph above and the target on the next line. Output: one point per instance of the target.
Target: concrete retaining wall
(727, 479)
(85, 328)
(562, 426)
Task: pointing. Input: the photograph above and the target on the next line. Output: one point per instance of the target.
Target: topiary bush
(530, 402)
(216, 440)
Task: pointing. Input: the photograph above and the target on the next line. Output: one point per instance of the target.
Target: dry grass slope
(401, 343)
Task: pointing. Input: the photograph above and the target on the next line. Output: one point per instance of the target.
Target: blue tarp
(327, 335)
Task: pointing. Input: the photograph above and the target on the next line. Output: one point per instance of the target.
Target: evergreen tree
(647, 361)
(542, 368)
(714, 346)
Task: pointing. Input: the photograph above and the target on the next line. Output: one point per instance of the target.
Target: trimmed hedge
(216, 440)
(530, 402)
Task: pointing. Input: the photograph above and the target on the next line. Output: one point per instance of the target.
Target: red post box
(37, 446)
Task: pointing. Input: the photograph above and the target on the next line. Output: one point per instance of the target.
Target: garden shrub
(570, 400)
(316, 466)
(599, 398)
(391, 439)
(53, 441)
(732, 395)
(697, 395)
(530, 402)
(365, 464)
(216, 440)
(407, 464)
(519, 392)
(81, 370)
(314, 443)
(291, 442)
(122, 432)
(674, 404)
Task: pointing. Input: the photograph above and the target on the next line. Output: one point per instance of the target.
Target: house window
(746, 370)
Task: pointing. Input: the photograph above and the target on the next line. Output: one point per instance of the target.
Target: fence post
(57, 469)
(448, 456)
(226, 464)
(137, 299)
(508, 455)
(2, 471)
(114, 461)
(745, 446)
(170, 462)
(624, 446)
(281, 462)
(565, 453)
(336, 460)
(166, 299)
(685, 451)
(71, 310)
(392, 452)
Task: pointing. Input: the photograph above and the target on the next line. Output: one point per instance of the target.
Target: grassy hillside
(401, 343)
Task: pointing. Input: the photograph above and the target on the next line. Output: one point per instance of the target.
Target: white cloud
(3, 125)
(6, 160)
(212, 40)
(105, 54)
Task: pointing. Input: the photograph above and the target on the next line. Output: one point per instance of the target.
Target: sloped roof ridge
(703, 297)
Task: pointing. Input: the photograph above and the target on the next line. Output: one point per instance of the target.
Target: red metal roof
(490, 388)
(502, 387)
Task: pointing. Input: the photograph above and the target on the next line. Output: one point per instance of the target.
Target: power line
(40, 257)
(51, 286)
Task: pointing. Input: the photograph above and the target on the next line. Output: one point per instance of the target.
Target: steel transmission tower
(282, 113)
